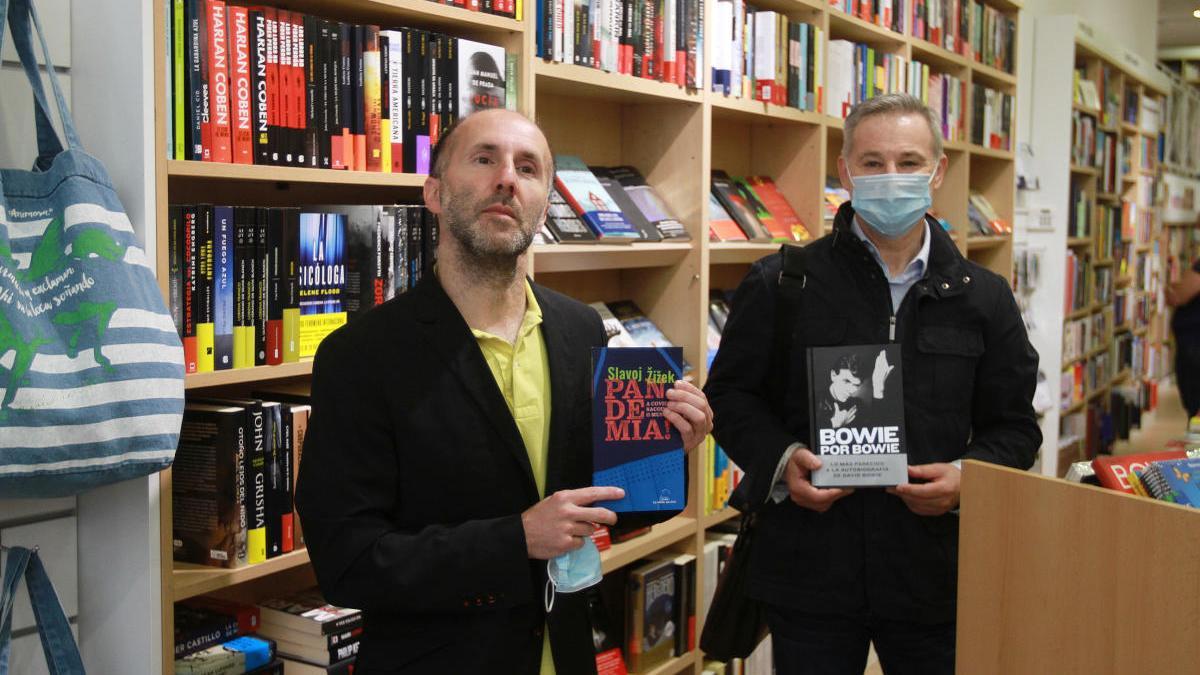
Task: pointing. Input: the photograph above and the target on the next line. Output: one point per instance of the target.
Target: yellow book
(291, 335)
(205, 347)
(243, 346)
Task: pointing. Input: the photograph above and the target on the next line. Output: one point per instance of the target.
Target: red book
(247, 615)
(788, 224)
(243, 122)
(272, 79)
(283, 113)
(299, 88)
(218, 82)
(1113, 472)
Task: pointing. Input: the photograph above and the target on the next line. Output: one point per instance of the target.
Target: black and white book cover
(856, 396)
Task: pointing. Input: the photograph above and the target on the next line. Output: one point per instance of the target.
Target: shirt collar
(917, 264)
(531, 320)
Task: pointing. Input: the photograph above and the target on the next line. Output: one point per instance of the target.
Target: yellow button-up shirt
(522, 374)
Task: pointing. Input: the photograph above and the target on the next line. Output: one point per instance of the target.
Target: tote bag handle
(19, 13)
(58, 644)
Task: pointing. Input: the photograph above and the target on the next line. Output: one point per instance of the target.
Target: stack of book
(606, 205)
(983, 217)
(751, 209)
(311, 635)
(217, 637)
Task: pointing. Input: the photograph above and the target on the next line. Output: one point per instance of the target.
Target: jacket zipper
(892, 327)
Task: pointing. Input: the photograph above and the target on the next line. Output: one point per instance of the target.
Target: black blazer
(413, 480)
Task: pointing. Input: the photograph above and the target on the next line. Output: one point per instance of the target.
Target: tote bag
(58, 644)
(91, 368)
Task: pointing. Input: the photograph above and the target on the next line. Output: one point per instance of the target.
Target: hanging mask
(573, 571)
(892, 203)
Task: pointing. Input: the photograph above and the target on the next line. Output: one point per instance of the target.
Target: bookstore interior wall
(675, 136)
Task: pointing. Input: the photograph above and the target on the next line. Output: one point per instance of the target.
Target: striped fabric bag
(91, 368)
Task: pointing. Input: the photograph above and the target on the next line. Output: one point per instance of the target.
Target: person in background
(839, 569)
(448, 456)
(1184, 296)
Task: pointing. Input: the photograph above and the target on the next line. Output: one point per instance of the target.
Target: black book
(175, 258)
(647, 231)
(262, 263)
(856, 395)
(243, 282)
(410, 75)
(649, 203)
(450, 83)
(198, 629)
(400, 225)
(208, 522)
(345, 89)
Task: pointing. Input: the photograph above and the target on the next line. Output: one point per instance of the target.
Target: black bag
(736, 623)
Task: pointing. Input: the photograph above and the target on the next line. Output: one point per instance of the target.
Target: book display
(682, 161)
(1099, 167)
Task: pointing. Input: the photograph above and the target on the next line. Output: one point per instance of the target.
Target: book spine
(337, 150)
(283, 141)
(346, 89)
(256, 477)
(240, 76)
(223, 296)
(385, 104)
(204, 324)
(359, 118)
(198, 80)
(290, 250)
(180, 104)
(395, 99)
(218, 82)
(200, 638)
(284, 490)
(274, 290)
(372, 107)
(175, 258)
(260, 98)
(241, 357)
(312, 122)
(273, 479)
(299, 90)
(261, 269)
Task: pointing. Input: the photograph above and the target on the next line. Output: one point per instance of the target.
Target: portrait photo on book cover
(857, 381)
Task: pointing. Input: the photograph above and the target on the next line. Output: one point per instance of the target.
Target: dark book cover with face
(856, 396)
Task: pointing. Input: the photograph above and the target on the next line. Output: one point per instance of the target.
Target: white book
(480, 76)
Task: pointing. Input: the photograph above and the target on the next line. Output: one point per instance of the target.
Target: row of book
(660, 40)
(766, 56)
(512, 9)
(262, 286)
(991, 126)
(984, 219)
(261, 85)
(751, 209)
(590, 204)
(971, 28)
(234, 479)
(296, 634)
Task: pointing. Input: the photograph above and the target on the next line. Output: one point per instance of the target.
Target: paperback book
(634, 446)
(856, 396)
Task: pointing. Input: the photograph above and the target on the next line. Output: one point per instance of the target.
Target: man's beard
(488, 255)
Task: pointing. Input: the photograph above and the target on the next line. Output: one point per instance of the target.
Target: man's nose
(506, 176)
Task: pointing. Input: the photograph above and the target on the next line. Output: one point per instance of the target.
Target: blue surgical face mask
(573, 571)
(892, 203)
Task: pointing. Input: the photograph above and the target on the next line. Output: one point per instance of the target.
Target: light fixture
(1196, 13)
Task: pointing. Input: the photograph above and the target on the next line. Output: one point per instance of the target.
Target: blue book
(1182, 477)
(634, 446)
(223, 271)
(590, 201)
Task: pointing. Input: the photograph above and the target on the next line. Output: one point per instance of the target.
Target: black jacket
(413, 480)
(969, 374)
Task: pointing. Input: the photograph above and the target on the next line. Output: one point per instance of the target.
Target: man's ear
(432, 192)
(939, 172)
(844, 174)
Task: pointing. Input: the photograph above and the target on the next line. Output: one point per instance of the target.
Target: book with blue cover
(590, 201)
(634, 446)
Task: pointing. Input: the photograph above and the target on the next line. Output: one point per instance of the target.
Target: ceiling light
(1196, 13)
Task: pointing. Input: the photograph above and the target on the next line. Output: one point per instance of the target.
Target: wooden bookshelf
(1066, 48)
(676, 137)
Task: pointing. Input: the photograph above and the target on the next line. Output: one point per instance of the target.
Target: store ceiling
(1176, 25)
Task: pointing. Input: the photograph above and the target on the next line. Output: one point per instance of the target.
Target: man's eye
(528, 169)
(483, 159)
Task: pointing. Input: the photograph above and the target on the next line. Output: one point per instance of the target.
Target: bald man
(449, 452)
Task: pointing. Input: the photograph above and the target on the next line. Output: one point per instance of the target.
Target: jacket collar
(946, 273)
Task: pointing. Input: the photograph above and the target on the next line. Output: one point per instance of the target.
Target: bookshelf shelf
(1122, 282)
(983, 242)
(1122, 376)
(572, 80)
(677, 664)
(1108, 197)
(188, 581)
(1085, 170)
(660, 536)
(1079, 107)
(739, 252)
(1079, 313)
(1097, 393)
(956, 146)
(1103, 262)
(944, 59)
(220, 378)
(1131, 129)
(1074, 408)
(980, 151)
(993, 76)
(719, 517)
(842, 26)
(580, 257)
(1079, 241)
(1097, 352)
(210, 171)
(728, 107)
(1139, 331)
(1125, 327)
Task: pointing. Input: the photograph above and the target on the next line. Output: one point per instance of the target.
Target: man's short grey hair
(892, 104)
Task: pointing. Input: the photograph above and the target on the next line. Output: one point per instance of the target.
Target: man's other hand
(688, 410)
(560, 523)
(934, 497)
(799, 468)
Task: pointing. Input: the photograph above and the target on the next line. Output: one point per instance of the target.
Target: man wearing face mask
(838, 569)
(448, 456)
